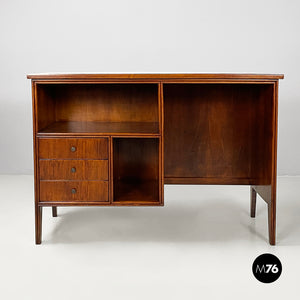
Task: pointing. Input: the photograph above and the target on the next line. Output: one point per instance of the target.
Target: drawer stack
(73, 169)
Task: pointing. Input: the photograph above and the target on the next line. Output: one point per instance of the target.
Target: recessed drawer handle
(73, 149)
(73, 191)
(73, 170)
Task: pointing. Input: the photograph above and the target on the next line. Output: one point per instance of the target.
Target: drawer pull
(73, 191)
(73, 149)
(73, 170)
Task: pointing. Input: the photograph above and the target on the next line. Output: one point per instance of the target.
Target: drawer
(73, 169)
(74, 191)
(73, 148)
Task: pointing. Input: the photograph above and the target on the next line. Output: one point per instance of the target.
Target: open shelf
(101, 128)
(218, 133)
(136, 170)
(137, 191)
(102, 108)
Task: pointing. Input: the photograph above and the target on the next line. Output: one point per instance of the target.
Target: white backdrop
(253, 36)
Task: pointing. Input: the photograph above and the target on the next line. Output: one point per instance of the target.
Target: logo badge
(267, 268)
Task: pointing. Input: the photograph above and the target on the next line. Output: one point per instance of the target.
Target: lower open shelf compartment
(136, 171)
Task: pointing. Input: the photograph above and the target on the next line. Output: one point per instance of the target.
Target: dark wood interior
(97, 108)
(218, 133)
(136, 170)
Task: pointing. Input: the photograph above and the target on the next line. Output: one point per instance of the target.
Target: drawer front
(73, 148)
(74, 191)
(73, 169)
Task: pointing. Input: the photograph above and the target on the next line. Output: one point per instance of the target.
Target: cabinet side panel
(35, 141)
(45, 105)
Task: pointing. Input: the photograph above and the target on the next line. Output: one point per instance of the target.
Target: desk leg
(253, 202)
(272, 216)
(268, 194)
(54, 211)
(38, 224)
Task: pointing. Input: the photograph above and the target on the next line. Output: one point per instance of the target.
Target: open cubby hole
(97, 108)
(136, 170)
(221, 133)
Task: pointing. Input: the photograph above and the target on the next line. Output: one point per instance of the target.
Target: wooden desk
(116, 139)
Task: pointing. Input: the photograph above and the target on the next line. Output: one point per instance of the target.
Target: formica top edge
(153, 76)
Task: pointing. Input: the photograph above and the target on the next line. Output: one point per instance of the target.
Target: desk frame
(264, 185)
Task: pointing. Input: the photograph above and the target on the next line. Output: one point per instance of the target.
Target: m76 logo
(267, 269)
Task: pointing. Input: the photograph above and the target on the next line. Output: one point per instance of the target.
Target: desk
(116, 139)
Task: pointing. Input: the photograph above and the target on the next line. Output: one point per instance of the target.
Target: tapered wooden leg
(38, 224)
(54, 211)
(268, 194)
(272, 218)
(253, 202)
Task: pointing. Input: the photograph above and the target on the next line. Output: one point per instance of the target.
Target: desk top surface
(153, 76)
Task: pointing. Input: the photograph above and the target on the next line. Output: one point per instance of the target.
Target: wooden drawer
(74, 191)
(73, 148)
(73, 169)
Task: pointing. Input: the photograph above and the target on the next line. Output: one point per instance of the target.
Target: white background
(253, 36)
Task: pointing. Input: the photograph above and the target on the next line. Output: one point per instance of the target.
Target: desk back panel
(218, 133)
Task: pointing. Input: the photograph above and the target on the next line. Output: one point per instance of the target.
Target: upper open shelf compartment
(97, 109)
